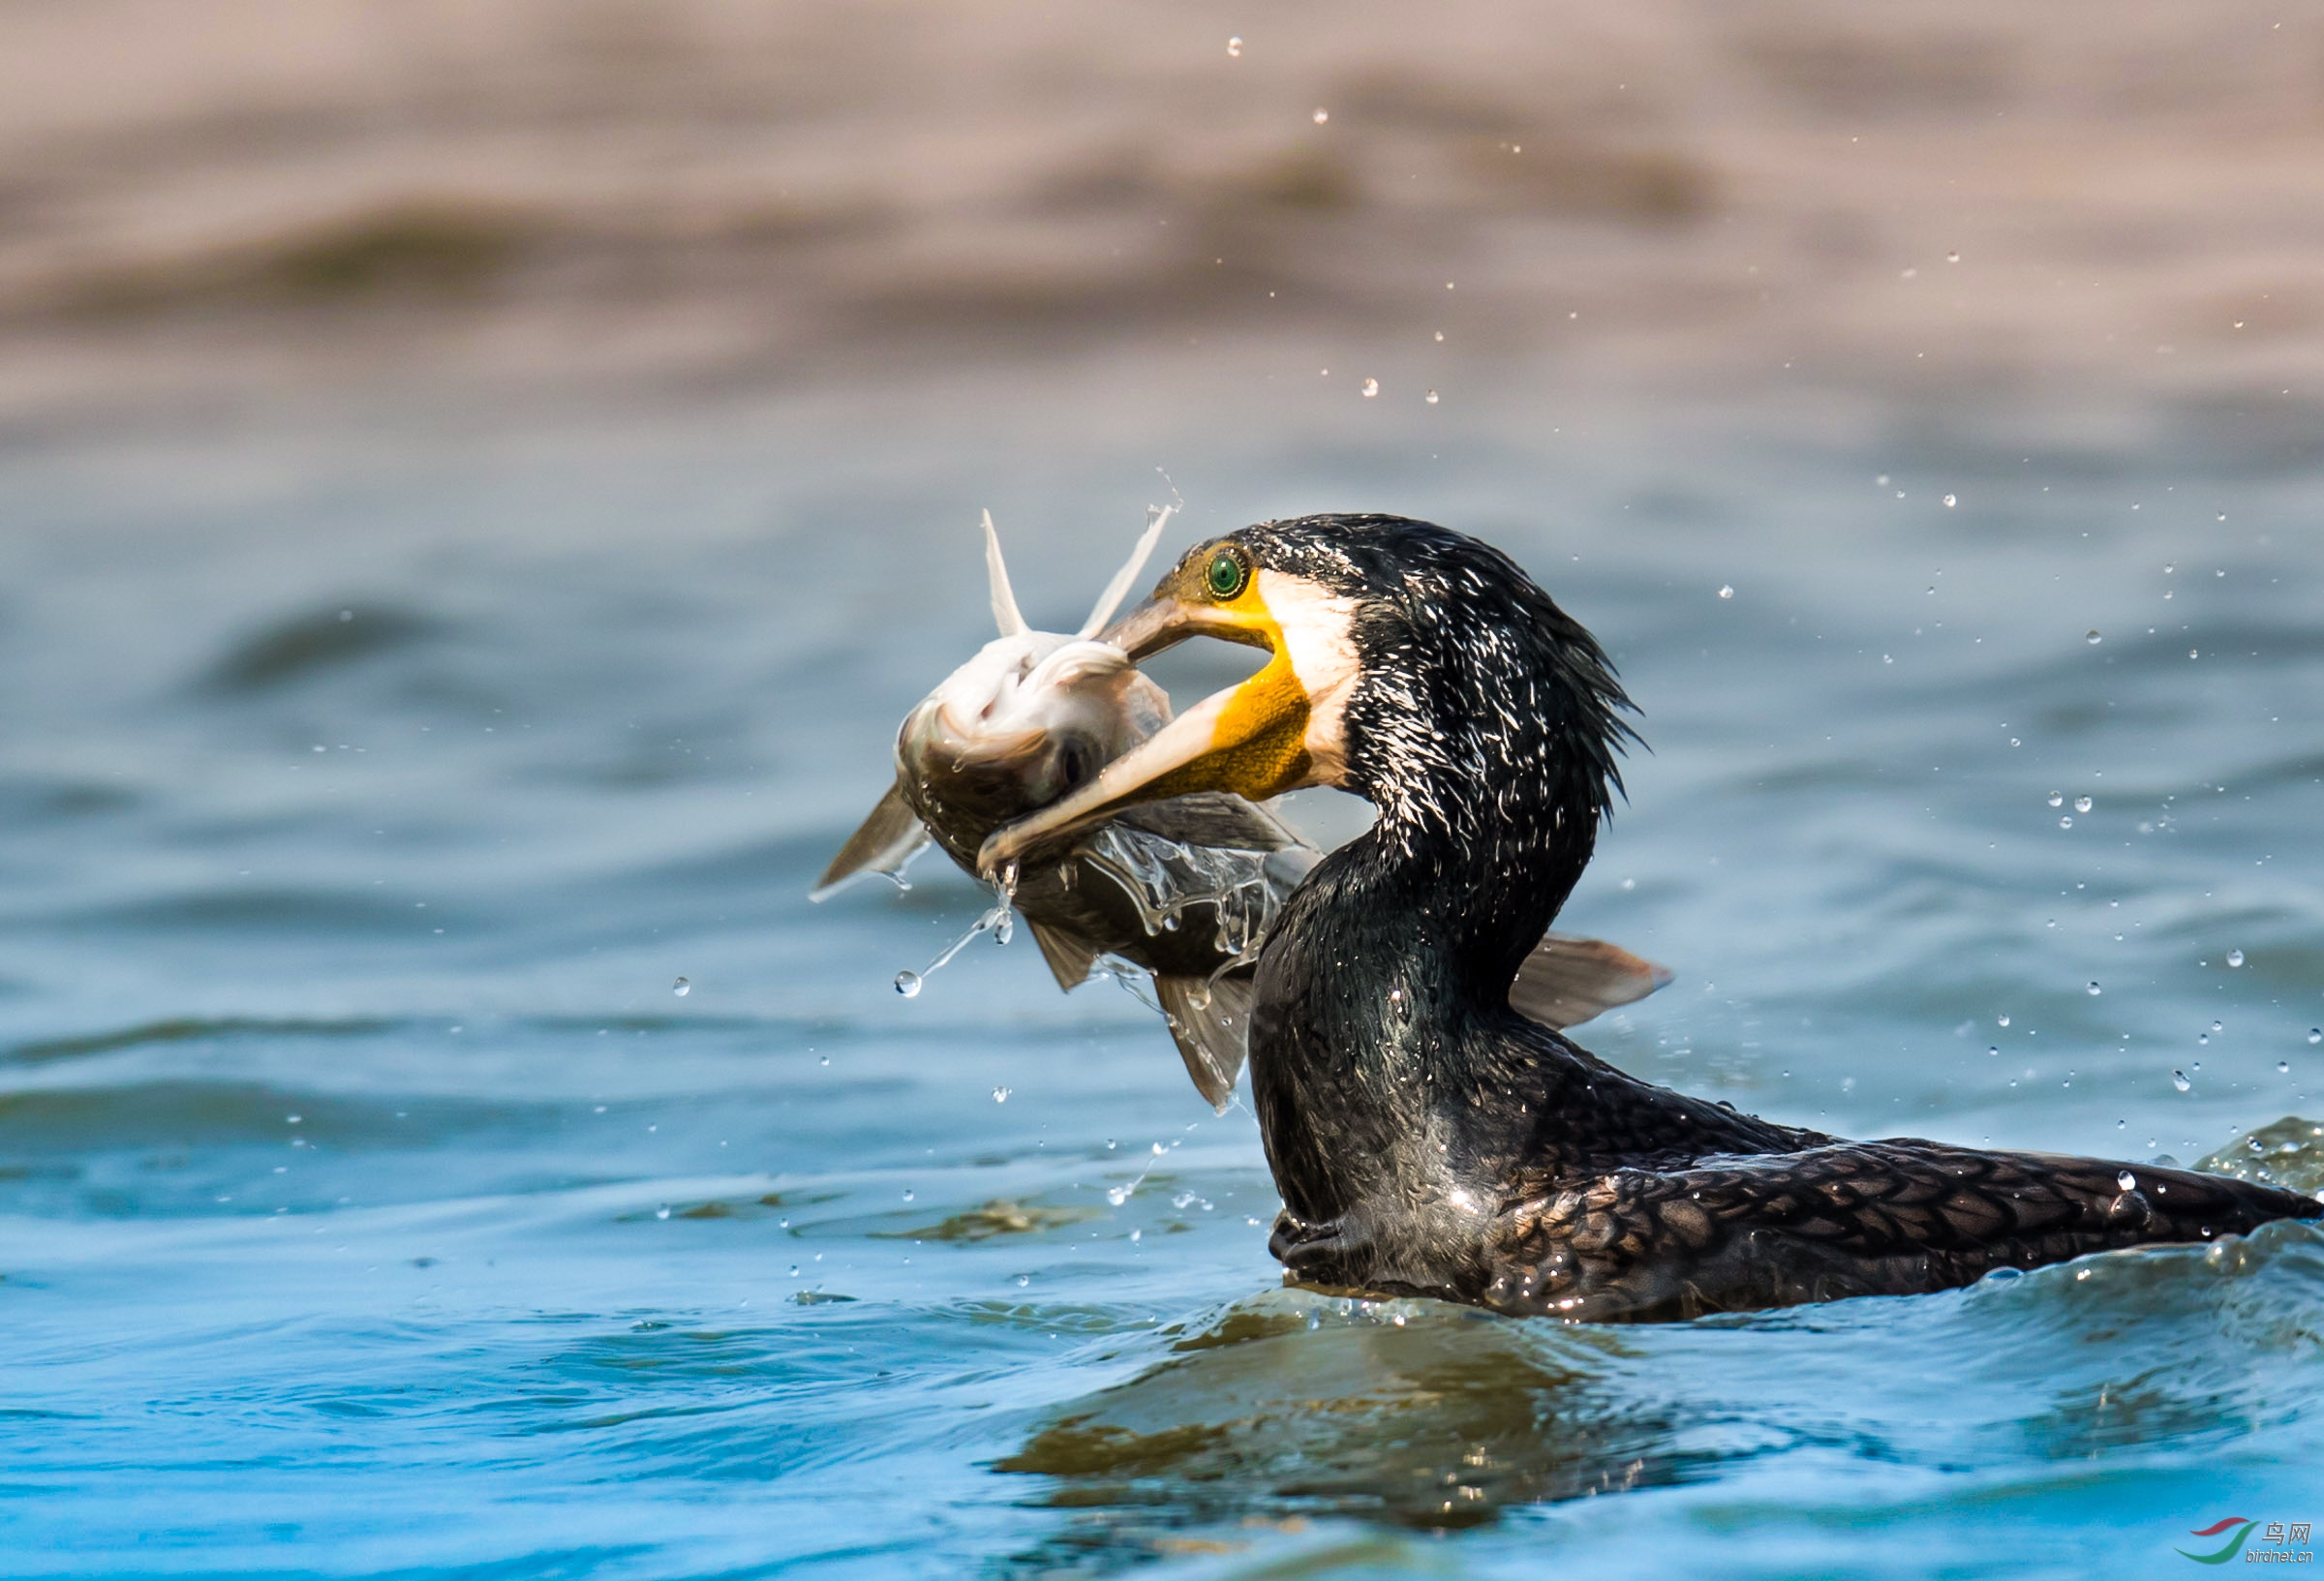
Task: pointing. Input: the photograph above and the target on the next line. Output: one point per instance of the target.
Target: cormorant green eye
(1226, 575)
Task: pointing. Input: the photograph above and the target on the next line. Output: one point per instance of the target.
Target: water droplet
(682, 988)
(2126, 1180)
(2082, 804)
(1950, 500)
(2219, 1026)
(2284, 1065)
(2235, 957)
(2315, 1034)
(1233, 47)
(1952, 257)
(907, 1194)
(2003, 1021)
(2202, 1040)
(794, 1271)
(1322, 116)
(907, 984)
(2095, 991)
(2179, 1080)
(2057, 799)
(1993, 1051)
(2224, 514)
(2066, 823)
(662, 1212)
(1726, 592)
(825, 1060)
(1371, 387)
(1001, 1095)
(2092, 638)
(1430, 397)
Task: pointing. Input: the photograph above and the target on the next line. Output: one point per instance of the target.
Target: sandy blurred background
(232, 205)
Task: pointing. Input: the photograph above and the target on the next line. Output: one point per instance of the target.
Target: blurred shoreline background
(262, 205)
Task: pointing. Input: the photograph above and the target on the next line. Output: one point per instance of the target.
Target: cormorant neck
(1485, 740)
(1482, 865)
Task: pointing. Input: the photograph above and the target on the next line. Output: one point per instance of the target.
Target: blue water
(373, 1205)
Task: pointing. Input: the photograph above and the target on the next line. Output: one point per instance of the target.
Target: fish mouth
(1248, 738)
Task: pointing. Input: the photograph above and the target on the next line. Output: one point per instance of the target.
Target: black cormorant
(1428, 1141)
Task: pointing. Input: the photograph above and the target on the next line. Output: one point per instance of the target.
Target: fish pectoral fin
(1568, 980)
(1210, 1022)
(885, 841)
(1069, 954)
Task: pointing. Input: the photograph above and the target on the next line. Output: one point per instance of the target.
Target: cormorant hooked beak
(1274, 732)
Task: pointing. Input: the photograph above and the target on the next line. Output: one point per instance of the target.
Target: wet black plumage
(1426, 1140)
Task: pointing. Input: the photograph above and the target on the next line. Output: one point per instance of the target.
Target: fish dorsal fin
(1567, 980)
(1213, 1035)
(1069, 954)
(1004, 601)
(883, 844)
(1110, 601)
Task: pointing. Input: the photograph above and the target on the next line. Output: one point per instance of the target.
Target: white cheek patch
(1318, 639)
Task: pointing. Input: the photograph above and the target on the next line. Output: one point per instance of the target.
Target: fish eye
(1227, 574)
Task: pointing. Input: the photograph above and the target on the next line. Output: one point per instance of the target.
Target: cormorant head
(1411, 664)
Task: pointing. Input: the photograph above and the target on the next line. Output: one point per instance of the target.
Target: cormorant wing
(1899, 1217)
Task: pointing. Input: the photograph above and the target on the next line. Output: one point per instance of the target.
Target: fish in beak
(1178, 894)
(1278, 730)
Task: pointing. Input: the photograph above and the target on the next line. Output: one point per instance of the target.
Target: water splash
(2288, 1153)
(1169, 882)
(1120, 1193)
(1001, 921)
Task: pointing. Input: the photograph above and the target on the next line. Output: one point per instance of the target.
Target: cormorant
(1427, 1139)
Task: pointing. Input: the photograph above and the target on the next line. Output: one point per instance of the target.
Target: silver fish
(1179, 892)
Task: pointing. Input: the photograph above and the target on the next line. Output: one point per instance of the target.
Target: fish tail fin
(1568, 980)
